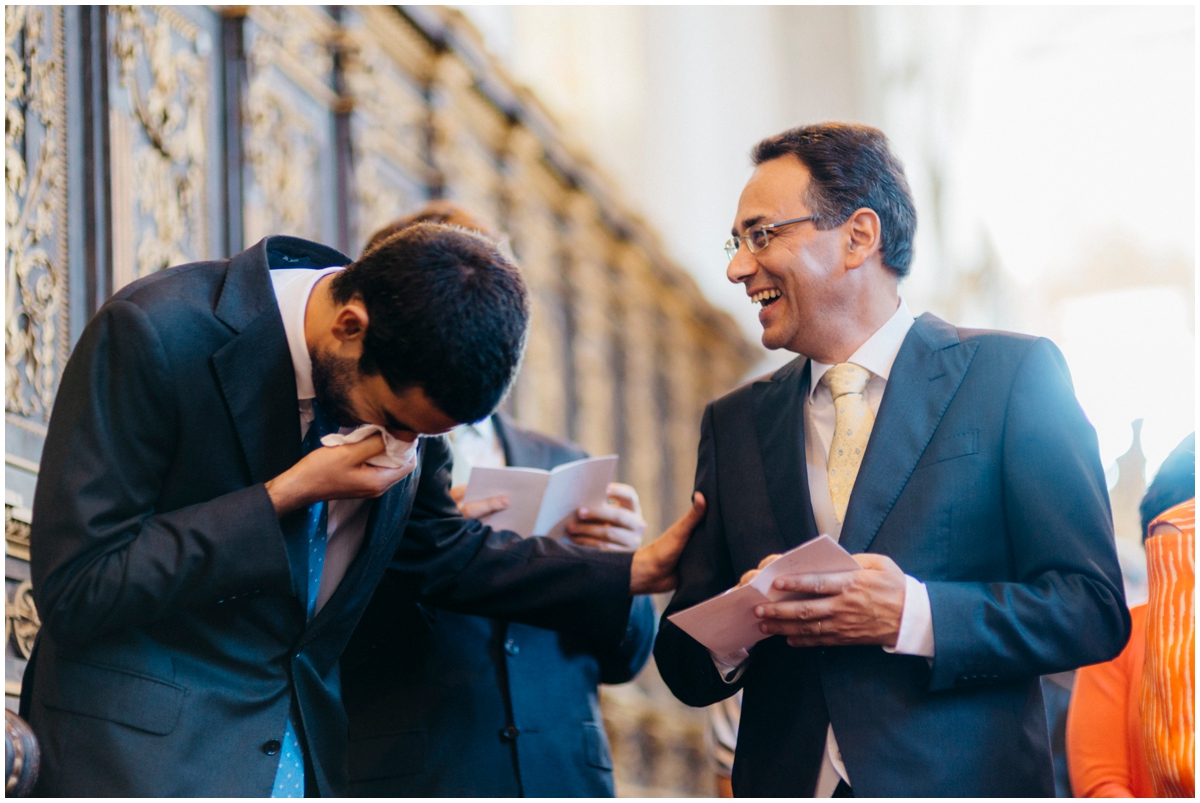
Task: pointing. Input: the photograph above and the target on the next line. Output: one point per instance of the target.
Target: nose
(742, 266)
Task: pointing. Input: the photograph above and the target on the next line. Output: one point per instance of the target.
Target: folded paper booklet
(541, 502)
(726, 623)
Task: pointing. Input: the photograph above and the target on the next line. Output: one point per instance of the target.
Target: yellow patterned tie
(847, 382)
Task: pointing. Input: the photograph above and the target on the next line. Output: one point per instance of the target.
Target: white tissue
(396, 454)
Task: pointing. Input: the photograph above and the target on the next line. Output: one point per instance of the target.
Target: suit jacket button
(510, 733)
(271, 747)
(511, 647)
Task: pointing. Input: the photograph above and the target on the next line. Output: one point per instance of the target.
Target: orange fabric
(1105, 755)
(1168, 694)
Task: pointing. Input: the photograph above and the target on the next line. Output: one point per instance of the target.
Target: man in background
(958, 465)
(453, 705)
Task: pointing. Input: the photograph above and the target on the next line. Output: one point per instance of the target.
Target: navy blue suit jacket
(982, 479)
(174, 645)
(453, 705)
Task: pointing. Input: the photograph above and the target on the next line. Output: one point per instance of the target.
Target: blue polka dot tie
(847, 382)
(289, 778)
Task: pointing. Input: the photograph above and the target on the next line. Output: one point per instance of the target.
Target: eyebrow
(747, 223)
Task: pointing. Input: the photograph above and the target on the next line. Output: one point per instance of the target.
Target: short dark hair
(440, 211)
(852, 167)
(1175, 482)
(448, 313)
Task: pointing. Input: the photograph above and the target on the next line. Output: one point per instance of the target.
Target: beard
(333, 377)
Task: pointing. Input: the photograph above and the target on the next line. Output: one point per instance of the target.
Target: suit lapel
(517, 451)
(779, 425)
(254, 369)
(928, 371)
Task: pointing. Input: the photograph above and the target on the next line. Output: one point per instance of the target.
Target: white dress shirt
(473, 445)
(347, 520)
(916, 621)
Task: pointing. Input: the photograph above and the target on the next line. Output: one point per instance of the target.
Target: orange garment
(1168, 694)
(1105, 756)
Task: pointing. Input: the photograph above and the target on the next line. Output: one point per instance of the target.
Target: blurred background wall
(1051, 152)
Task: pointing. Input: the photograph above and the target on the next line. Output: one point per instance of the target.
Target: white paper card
(726, 623)
(542, 502)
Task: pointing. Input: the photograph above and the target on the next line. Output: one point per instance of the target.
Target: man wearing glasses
(955, 464)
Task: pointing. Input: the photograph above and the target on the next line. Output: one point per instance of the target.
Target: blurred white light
(1132, 356)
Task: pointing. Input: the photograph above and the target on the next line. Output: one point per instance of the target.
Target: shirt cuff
(732, 666)
(916, 621)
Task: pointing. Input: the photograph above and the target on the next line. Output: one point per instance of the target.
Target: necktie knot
(846, 378)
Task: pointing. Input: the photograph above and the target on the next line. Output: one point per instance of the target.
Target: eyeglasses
(759, 237)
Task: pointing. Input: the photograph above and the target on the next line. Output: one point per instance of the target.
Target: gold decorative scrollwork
(168, 100)
(282, 152)
(35, 183)
(16, 533)
(21, 622)
(390, 120)
(283, 147)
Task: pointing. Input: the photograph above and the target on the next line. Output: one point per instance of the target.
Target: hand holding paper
(727, 623)
(617, 524)
(855, 607)
(541, 502)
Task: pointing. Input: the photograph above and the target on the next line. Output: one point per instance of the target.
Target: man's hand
(335, 472)
(862, 607)
(480, 507)
(653, 567)
(617, 525)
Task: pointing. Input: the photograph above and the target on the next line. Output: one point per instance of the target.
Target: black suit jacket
(174, 644)
(982, 479)
(462, 706)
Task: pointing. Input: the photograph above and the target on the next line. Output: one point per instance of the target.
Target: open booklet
(541, 502)
(726, 623)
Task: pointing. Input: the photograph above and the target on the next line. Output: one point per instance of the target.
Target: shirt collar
(483, 428)
(880, 350)
(292, 288)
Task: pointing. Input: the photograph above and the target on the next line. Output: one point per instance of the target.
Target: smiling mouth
(766, 297)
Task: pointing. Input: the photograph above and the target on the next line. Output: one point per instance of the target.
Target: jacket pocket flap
(595, 746)
(116, 695)
(948, 448)
(396, 754)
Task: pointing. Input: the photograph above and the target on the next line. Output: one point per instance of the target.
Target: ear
(864, 236)
(350, 323)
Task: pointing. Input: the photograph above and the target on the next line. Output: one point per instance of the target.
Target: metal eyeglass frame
(734, 243)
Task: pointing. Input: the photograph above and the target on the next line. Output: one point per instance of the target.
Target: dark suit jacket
(174, 643)
(462, 706)
(982, 479)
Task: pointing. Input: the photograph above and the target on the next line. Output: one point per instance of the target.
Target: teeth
(764, 296)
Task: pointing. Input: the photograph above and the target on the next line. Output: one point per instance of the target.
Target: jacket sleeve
(1066, 607)
(462, 565)
(621, 663)
(103, 556)
(705, 570)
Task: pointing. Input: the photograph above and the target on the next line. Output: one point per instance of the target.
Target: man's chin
(773, 340)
